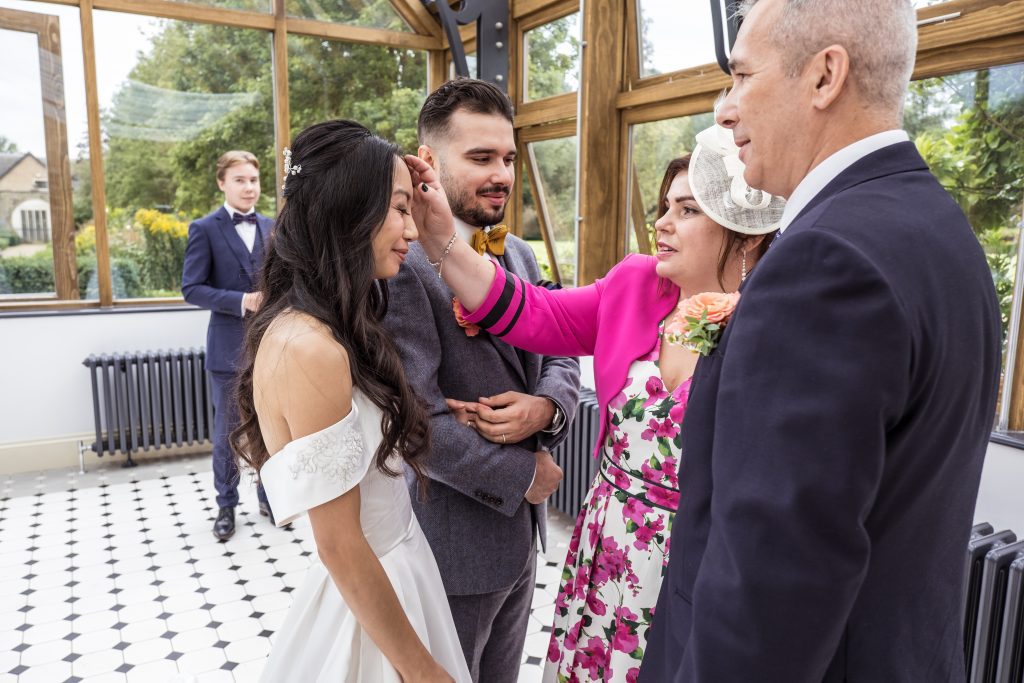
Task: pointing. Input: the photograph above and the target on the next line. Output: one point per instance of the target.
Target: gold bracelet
(447, 250)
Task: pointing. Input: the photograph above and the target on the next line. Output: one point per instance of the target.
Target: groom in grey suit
(496, 412)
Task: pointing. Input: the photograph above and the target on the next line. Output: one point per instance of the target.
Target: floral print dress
(619, 548)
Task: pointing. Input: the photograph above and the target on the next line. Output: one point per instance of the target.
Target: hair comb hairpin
(288, 168)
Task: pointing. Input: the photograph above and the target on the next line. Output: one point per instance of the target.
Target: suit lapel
(234, 241)
(898, 158)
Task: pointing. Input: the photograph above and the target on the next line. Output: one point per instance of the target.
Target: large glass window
(369, 13)
(669, 41)
(552, 172)
(43, 154)
(970, 129)
(534, 234)
(381, 87)
(651, 147)
(250, 5)
(164, 129)
(551, 58)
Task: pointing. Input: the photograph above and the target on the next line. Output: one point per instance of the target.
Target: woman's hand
(430, 210)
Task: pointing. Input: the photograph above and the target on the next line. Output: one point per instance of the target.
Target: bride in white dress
(330, 423)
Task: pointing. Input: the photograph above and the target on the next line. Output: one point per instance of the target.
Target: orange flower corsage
(699, 320)
(471, 329)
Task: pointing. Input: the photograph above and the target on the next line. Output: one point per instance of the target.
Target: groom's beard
(465, 206)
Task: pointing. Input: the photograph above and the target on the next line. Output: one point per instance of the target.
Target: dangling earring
(743, 268)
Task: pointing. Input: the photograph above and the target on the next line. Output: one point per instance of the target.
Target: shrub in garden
(164, 248)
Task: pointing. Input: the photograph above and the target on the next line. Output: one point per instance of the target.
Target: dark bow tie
(237, 218)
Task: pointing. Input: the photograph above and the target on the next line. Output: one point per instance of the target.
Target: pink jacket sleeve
(559, 322)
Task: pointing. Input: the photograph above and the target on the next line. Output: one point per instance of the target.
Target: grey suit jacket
(474, 515)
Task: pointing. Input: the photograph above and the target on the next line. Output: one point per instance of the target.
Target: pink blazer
(615, 320)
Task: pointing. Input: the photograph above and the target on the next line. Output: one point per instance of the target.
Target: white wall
(1001, 495)
(45, 391)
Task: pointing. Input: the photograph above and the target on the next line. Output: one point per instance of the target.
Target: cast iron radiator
(575, 456)
(994, 607)
(149, 400)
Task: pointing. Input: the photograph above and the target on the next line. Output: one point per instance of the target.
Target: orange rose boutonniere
(471, 329)
(699, 320)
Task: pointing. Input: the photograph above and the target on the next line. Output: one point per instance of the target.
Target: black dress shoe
(224, 527)
(267, 512)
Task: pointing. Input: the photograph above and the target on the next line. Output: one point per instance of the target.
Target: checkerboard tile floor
(114, 575)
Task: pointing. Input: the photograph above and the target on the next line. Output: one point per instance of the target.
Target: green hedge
(34, 275)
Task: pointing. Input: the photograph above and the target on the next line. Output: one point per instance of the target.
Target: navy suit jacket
(217, 272)
(833, 446)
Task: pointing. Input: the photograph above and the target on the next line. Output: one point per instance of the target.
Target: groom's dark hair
(468, 94)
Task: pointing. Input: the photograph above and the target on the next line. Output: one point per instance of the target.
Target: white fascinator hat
(716, 179)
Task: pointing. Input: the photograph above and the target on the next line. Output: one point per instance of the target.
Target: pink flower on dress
(666, 428)
(655, 391)
(594, 658)
(620, 400)
(632, 674)
(621, 480)
(646, 533)
(624, 640)
(663, 497)
(596, 604)
(554, 654)
(635, 509)
(611, 561)
(676, 412)
(650, 474)
(619, 445)
(582, 581)
(562, 600)
(670, 468)
(595, 531)
(572, 636)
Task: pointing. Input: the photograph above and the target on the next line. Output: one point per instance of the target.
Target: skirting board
(49, 454)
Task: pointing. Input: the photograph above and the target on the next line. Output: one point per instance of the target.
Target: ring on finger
(504, 439)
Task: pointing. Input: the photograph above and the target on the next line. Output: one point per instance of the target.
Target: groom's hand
(511, 417)
(546, 479)
(464, 411)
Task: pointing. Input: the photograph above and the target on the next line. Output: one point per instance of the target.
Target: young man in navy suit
(222, 260)
(834, 439)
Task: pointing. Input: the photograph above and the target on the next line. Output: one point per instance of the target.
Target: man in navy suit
(834, 439)
(222, 259)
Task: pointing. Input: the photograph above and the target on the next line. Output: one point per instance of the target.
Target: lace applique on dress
(333, 453)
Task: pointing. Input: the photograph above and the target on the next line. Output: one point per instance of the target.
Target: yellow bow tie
(492, 240)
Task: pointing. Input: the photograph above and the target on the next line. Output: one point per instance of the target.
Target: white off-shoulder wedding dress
(321, 640)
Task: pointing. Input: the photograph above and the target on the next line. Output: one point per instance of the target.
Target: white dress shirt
(825, 172)
(465, 230)
(247, 231)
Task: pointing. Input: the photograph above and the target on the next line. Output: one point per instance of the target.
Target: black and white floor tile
(115, 576)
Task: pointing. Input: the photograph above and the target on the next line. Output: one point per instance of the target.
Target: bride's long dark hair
(319, 260)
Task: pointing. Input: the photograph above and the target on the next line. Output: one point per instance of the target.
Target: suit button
(498, 502)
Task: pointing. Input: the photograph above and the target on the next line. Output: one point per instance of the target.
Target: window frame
(426, 35)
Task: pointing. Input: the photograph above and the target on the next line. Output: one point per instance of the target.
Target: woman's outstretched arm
(561, 322)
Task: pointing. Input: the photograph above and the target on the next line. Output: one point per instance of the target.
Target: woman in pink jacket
(712, 233)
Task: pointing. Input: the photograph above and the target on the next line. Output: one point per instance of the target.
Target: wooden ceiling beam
(418, 17)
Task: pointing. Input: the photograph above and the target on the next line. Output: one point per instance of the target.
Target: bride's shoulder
(298, 351)
(294, 336)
